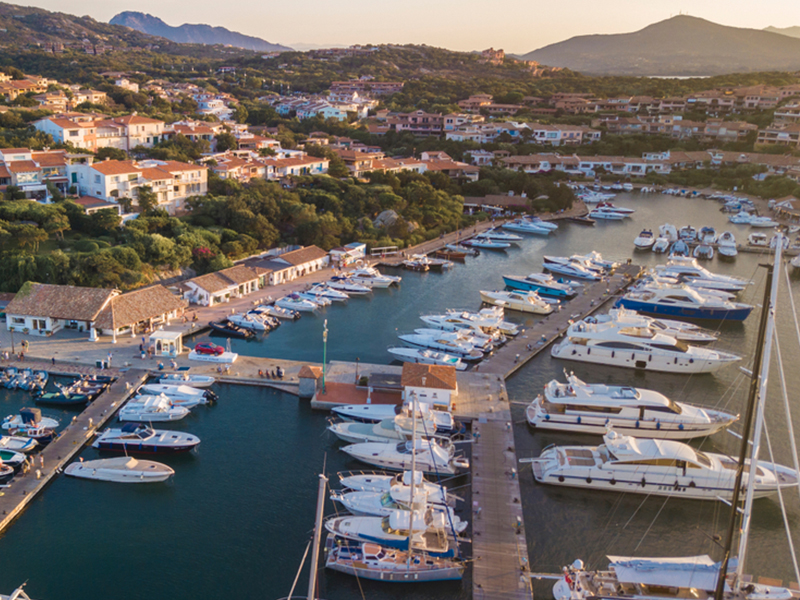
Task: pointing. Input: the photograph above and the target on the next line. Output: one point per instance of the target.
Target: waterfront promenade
(48, 463)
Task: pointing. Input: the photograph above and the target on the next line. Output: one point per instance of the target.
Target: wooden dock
(500, 568)
(49, 462)
(518, 351)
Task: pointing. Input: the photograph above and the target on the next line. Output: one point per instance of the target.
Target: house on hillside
(288, 266)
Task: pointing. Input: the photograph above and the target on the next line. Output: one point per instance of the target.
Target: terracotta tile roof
(5, 151)
(50, 159)
(307, 371)
(4, 174)
(303, 255)
(92, 202)
(60, 301)
(139, 305)
(115, 167)
(241, 274)
(68, 124)
(430, 376)
(22, 166)
(212, 282)
(155, 174)
(135, 120)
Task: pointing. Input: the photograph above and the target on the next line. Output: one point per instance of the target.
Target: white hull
(513, 301)
(17, 444)
(121, 470)
(196, 381)
(175, 414)
(427, 357)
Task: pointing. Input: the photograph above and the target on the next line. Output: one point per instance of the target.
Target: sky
(517, 26)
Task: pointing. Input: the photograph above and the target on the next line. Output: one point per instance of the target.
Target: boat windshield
(703, 459)
(386, 499)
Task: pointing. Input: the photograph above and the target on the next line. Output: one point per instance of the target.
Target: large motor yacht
(686, 270)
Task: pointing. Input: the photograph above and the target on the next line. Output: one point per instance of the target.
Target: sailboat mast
(748, 424)
(312, 574)
(759, 426)
(413, 472)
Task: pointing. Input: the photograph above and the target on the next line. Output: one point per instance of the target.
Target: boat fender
(691, 361)
(637, 423)
(613, 482)
(658, 424)
(675, 360)
(574, 352)
(588, 351)
(561, 478)
(677, 484)
(588, 480)
(692, 484)
(650, 358)
(680, 426)
(547, 417)
(644, 482)
(579, 420)
(612, 354)
(607, 421)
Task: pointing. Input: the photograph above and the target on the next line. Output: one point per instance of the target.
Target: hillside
(790, 31)
(193, 34)
(682, 45)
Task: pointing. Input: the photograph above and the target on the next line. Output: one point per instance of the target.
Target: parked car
(209, 348)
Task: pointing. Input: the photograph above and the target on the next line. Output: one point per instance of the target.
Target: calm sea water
(237, 516)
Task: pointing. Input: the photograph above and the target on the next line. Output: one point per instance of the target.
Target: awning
(699, 572)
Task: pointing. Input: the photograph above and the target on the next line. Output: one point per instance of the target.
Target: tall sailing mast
(755, 409)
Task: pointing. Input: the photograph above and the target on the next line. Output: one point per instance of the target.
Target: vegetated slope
(193, 34)
(682, 45)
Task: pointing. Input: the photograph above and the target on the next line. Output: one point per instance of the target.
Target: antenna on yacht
(758, 388)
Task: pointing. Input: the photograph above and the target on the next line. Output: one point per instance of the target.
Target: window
(18, 320)
(97, 179)
(73, 133)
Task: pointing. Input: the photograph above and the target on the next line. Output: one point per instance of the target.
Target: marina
(504, 506)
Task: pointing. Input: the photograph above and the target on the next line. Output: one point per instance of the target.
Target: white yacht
(524, 226)
(607, 214)
(581, 407)
(149, 409)
(654, 467)
(645, 240)
(247, 322)
(321, 290)
(320, 301)
(22, 421)
(354, 432)
(529, 302)
(349, 287)
(295, 302)
(182, 395)
(619, 345)
(686, 270)
(483, 322)
(762, 222)
(482, 341)
(380, 483)
(431, 456)
(197, 381)
(726, 244)
(539, 222)
(370, 277)
(680, 330)
(445, 341)
(426, 357)
(124, 469)
(573, 270)
(278, 312)
(591, 260)
(501, 236)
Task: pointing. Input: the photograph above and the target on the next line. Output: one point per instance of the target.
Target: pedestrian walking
(53, 361)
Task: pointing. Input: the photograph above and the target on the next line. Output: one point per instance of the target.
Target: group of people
(277, 373)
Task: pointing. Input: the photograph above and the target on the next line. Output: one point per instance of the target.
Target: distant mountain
(682, 45)
(790, 31)
(194, 34)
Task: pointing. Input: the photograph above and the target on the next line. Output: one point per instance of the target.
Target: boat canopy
(626, 449)
(698, 572)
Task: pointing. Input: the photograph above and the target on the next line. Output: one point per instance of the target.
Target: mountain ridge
(789, 31)
(682, 45)
(193, 33)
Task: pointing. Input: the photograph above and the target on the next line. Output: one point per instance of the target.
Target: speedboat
(349, 287)
(228, 329)
(371, 277)
(196, 381)
(645, 240)
(543, 284)
(688, 271)
(500, 236)
(247, 322)
(759, 240)
(124, 469)
(680, 330)
(741, 218)
(486, 243)
(708, 235)
(368, 560)
(445, 342)
(354, 432)
(152, 408)
(295, 302)
(607, 214)
(137, 437)
(573, 270)
(703, 252)
(668, 231)
(687, 234)
(593, 261)
(619, 345)
(322, 290)
(605, 204)
(661, 245)
(654, 467)
(426, 357)
(763, 222)
(684, 302)
(432, 456)
(17, 443)
(525, 226)
(12, 459)
(278, 312)
(463, 249)
(528, 302)
(539, 222)
(580, 407)
(319, 301)
(179, 394)
(726, 245)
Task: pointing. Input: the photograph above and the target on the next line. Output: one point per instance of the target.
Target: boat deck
(24, 488)
(499, 548)
(516, 353)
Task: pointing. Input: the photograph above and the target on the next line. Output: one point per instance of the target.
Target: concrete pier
(50, 461)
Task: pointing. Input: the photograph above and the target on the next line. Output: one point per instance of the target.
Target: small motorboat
(228, 329)
(529, 302)
(661, 245)
(741, 218)
(703, 252)
(12, 459)
(645, 240)
(501, 236)
(525, 226)
(687, 234)
(17, 444)
(6, 472)
(137, 437)
(759, 240)
(182, 395)
(195, 381)
(763, 222)
(349, 287)
(124, 469)
(487, 244)
(320, 301)
(149, 409)
(708, 235)
(280, 313)
(679, 248)
(726, 245)
(448, 254)
(426, 357)
(606, 205)
(668, 231)
(62, 398)
(607, 214)
(247, 321)
(463, 249)
(295, 302)
(321, 290)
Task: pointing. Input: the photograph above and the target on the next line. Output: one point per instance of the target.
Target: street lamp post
(324, 352)
(357, 359)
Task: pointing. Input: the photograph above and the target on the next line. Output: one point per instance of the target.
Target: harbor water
(236, 518)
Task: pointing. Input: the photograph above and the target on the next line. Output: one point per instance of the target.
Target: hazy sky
(516, 25)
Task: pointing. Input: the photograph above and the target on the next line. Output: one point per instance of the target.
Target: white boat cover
(698, 572)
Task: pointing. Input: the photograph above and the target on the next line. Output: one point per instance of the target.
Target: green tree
(226, 141)
(147, 200)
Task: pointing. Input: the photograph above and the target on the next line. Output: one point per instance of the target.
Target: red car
(209, 348)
